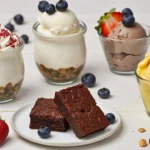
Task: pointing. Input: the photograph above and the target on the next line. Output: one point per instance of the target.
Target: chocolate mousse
(124, 41)
(123, 52)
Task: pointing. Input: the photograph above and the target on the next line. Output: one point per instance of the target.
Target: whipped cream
(8, 40)
(60, 23)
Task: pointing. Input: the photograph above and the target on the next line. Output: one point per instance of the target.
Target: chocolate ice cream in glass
(11, 65)
(123, 40)
(60, 50)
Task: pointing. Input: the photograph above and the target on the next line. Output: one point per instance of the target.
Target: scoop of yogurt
(60, 23)
(8, 40)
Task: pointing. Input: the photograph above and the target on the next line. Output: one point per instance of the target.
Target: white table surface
(125, 96)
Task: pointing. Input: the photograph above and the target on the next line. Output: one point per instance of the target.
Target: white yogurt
(61, 52)
(59, 23)
(11, 61)
(59, 45)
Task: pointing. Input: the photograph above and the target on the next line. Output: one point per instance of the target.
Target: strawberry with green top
(4, 130)
(108, 22)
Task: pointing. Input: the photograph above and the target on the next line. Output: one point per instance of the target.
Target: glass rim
(82, 25)
(147, 37)
(135, 72)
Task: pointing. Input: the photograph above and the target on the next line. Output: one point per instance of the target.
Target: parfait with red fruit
(123, 40)
(11, 65)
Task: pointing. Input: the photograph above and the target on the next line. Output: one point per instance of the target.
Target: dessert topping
(127, 12)
(50, 9)
(42, 6)
(8, 39)
(108, 22)
(62, 5)
(128, 19)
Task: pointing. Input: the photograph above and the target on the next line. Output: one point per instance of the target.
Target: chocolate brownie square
(46, 113)
(80, 110)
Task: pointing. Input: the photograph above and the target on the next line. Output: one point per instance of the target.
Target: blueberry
(111, 118)
(25, 38)
(50, 9)
(128, 21)
(127, 12)
(88, 79)
(104, 93)
(10, 27)
(42, 6)
(44, 132)
(19, 19)
(62, 5)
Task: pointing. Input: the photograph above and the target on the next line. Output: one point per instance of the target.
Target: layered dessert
(80, 110)
(46, 113)
(60, 51)
(143, 78)
(11, 64)
(124, 40)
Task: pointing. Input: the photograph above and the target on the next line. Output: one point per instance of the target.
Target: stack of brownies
(72, 106)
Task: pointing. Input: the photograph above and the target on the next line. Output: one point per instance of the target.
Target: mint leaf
(112, 10)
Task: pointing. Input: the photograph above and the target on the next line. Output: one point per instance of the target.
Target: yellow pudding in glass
(143, 78)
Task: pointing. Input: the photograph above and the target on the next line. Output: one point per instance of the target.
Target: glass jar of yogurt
(60, 51)
(11, 65)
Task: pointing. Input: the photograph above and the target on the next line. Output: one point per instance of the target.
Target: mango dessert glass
(143, 78)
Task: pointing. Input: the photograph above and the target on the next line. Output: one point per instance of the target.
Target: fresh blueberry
(111, 118)
(104, 93)
(44, 132)
(19, 19)
(42, 6)
(10, 27)
(25, 38)
(50, 9)
(127, 12)
(62, 5)
(88, 79)
(128, 21)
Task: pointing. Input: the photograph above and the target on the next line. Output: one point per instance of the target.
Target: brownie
(80, 110)
(46, 113)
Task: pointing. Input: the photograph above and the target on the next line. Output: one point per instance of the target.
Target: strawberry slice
(108, 22)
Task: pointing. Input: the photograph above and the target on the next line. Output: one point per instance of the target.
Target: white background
(125, 94)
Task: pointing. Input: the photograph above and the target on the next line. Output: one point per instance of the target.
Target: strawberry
(4, 130)
(108, 22)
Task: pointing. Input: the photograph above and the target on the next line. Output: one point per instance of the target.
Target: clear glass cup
(123, 55)
(11, 73)
(60, 59)
(144, 87)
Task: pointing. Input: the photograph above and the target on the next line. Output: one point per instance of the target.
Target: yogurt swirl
(8, 40)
